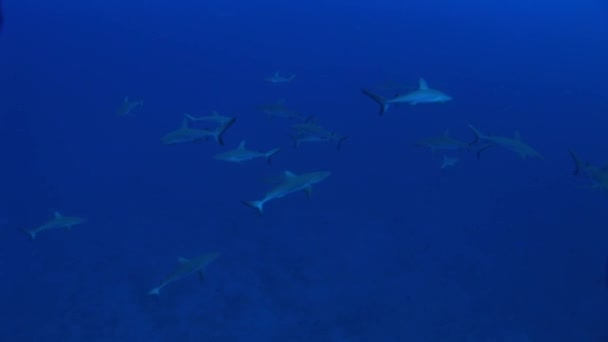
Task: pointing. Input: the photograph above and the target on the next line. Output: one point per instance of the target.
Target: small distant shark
(187, 267)
(185, 134)
(280, 110)
(277, 78)
(214, 117)
(128, 107)
(423, 94)
(242, 154)
(290, 183)
(598, 175)
(444, 142)
(514, 144)
(448, 161)
(58, 221)
(310, 131)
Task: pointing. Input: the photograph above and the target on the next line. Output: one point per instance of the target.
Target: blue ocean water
(390, 247)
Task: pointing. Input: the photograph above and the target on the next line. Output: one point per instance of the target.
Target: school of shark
(308, 130)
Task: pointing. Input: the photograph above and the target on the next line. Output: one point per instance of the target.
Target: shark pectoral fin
(201, 275)
(57, 214)
(258, 205)
(182, 260)
(308, 191)
(30, 232)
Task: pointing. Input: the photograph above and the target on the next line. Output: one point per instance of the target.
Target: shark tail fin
(154, 292)
(271, 153)
(340, 141)
(257, 205)
(220, 131)
(384, 106)
(577, 163)
(478, 134)
(291, 77)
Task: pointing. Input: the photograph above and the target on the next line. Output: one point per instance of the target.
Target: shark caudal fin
(384, 106)
(478, 134)
(219, 133)
(340, 141)
(268, 155)
(577, 163)
(257, 205)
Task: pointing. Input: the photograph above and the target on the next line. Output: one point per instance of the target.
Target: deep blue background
(390, 248)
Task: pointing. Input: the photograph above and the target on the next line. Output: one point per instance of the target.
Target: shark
(242, 154)
(57, 222)
(424, 94)
(186, 267)
(127, 107)
(186, 134)
(444, 142)
(598, 175)
(277, 78)
(311, 132)
(289, 184)
(280, 110)
(514, 144)
(214, 117)
(448, 161)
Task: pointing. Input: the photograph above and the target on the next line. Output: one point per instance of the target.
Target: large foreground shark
(423, 94)
(186, 267)
(290, 183)
(58, 221)
(186, 134)
(514, 144)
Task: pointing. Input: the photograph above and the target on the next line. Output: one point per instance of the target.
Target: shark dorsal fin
(215, 113)
(288, 174)
(276, 74)
(242, 145)
(126, 99)
(446, 133)
(184, 123)
(57, 214)
(517, 136)
(422, 85)
(182, 260)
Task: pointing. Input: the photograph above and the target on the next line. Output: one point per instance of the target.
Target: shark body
(127, 107)
(290, 183)
(424, 94)
(277, 78)
(187, 134)
(598, 175)
(185, 268)
(57, 222)
(242, 154)
(514, 144)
